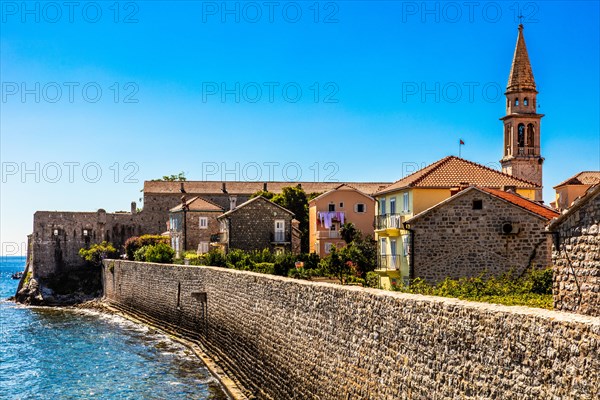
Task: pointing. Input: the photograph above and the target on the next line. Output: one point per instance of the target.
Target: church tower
(522, 157)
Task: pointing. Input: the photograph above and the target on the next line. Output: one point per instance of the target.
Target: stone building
(576, 256)
(478, 230)
(568, 191)
(58, 236)
(192, 223)
(259, 224)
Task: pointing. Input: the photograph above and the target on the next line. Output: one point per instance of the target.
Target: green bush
(140, 254)
(160, 253)
(136, 242)
(533, 289)
(215, 258)
(372, 279)
(264, 268)
(98, 252)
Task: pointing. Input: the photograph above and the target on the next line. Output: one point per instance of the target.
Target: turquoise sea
(61, 353)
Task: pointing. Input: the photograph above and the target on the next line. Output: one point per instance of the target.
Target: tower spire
(521, 75)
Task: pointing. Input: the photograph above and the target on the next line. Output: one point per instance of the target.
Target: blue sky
(99, 97)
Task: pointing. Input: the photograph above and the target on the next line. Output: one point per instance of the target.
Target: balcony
(218, 237)
(527, 151)
(389, 221)
(280, 237)
(326, 217)
(388, 262)
(328, 234)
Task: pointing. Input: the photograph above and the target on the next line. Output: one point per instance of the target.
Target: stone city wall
(291, 339)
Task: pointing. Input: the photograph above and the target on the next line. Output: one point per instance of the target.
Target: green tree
(98, 252)
(337, 264)
(349, 232)
(173, 178)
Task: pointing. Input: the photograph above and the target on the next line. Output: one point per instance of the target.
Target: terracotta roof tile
(237, 187)
(452, 172)
(523, 202)
(582, 178)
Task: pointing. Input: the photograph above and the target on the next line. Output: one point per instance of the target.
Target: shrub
(284, 263)
(140, 254)
(264, 268)
(215, 258)
(541, 280)
(98, 252)
(372, 279)
(136, 242)
(160, 253)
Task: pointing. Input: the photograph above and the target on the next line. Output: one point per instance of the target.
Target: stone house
(478, 230)
(259, 224)
(329, 211)
(576, 256)
(192, 223)
(568, 191)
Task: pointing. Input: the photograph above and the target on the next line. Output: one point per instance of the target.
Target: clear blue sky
(386, 86)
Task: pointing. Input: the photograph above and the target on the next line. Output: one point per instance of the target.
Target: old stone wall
(457, 241)
(577, 261)
(290, 339)
(58, 236)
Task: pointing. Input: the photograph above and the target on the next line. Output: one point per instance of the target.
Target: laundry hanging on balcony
(326, 217)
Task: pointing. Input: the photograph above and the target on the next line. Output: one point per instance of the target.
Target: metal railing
(389, 262)
(389, 221)
(328, 234)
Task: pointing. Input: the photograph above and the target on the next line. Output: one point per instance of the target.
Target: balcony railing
(328, 234)
(527, 151)
(389, 221)
(280, 237)
(389, 262)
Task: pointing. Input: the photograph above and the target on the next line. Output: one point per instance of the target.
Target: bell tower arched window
(530, 135)
(516, 102)
(525, 101)
(521, 135)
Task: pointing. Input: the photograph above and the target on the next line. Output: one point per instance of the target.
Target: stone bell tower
(522, 155)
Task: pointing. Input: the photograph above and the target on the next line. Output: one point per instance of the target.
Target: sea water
(65, 353)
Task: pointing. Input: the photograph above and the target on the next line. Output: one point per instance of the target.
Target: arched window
(516, 102)
(530, 135)
(525, 101)
(521, 135)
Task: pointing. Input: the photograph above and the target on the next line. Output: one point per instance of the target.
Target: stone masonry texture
(576, 261)
(291, 339)
(458, 241)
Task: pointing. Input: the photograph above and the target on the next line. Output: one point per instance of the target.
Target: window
(405, 245)
(328, 247)
(342, 205)
(232, 202)
(393, 205)
(203, 247)
(521, 133)
(279, 230)
(85, 232)
(530, 135)
(203, 222)
(382, 206)
(405, 203)
(55, 232)
(382, 247)
(331, 207)
(360, 208)
(525, 101)
(516, 102)
(477, 204)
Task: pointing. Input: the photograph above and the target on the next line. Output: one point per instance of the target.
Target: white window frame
(327, 247)
(382, 247)
(382, 209)
(393, 205)
(364, 207)
(405, 202)
(202, 225)
(203, 247)
(405, 245)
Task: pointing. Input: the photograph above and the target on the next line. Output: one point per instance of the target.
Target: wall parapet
(286, 338)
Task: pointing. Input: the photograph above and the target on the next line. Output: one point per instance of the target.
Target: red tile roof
(452, 172)
(248, 188)
(582, 178)
(523, 202)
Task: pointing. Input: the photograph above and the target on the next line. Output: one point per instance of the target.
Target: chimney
(133, 207)
(265, 189)
(509, 188)
(181, 188)
(224, 187)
